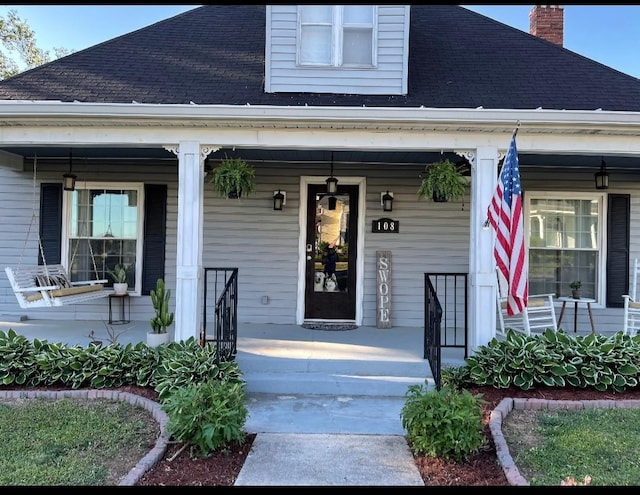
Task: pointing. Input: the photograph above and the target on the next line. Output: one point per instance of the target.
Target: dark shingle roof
(215, 55)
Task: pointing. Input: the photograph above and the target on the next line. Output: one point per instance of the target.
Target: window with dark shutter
(155, 219)
(50, 222)
(618, 249)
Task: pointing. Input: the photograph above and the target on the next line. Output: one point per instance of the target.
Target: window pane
(315, 45)
(358, 14)
(316, 13)
(103, 232)
(552, 270)
(563, 245)
(357, 47)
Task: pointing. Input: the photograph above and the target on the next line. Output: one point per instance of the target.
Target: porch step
(331, 384)
(326, 376)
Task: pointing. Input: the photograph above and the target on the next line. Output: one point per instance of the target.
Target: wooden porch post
(189, 240)
(482, 275)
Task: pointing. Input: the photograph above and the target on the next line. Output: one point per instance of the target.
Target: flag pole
(485, 225)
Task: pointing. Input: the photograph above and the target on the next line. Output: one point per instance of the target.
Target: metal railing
(221, 292)
(432, 318)
(445, 317)
(451, 289)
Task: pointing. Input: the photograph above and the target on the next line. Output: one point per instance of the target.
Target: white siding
(389, 77)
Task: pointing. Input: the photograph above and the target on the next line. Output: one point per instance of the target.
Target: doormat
(329, 326)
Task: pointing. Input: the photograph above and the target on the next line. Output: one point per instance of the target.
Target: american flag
(505, 215)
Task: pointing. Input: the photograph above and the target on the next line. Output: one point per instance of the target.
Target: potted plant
(120, 274)
(576, 289)
(233, 177)
(443, 181)
(163, 318)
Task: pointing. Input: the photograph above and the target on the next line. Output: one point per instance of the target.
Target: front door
(332, 230)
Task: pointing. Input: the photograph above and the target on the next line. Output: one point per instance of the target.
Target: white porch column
(189, 240)
(482, 275)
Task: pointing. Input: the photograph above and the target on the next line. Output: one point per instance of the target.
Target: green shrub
(443, 423)
(208, 416)
(187, 362)
(552, 359)
(165, 368)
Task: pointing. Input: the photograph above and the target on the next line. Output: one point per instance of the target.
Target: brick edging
(144, 464)
(507, 404)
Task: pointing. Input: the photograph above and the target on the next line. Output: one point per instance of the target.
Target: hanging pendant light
(332, 182)
(69, 179)
(602, 177)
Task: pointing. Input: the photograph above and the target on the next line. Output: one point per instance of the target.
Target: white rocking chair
(632, 305)
(537, 316)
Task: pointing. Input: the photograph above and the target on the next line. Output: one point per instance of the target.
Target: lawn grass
(603, 444)
(71, 441)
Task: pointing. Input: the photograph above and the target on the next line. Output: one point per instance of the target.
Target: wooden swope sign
(383, 289)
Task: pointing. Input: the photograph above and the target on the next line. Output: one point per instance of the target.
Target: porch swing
(49, 285)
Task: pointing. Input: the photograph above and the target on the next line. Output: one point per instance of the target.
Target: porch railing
(445, 317)
(221, 293)
(432, 318)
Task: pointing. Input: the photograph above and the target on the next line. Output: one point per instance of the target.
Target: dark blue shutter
(618, 249)
(155, 220)
(50, 223)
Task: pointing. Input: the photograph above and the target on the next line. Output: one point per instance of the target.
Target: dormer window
(336, 35)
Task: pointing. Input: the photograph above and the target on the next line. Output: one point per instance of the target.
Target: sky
(609, 34)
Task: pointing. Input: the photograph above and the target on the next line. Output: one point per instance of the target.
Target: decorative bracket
(205, 151)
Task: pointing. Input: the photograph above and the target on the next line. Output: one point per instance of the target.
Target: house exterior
(367, 94)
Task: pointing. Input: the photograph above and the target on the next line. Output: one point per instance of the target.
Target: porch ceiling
(316, 156)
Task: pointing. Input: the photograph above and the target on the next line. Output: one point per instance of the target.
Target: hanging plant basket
(233, 178)
(443, 181)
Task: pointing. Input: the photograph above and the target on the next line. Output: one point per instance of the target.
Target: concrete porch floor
(366, 343)
(268, 340)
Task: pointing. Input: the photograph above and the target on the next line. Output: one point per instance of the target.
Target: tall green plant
(160, 300)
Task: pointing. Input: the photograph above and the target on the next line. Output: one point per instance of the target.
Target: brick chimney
(547, 22)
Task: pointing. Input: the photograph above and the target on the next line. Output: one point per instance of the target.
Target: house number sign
(385, 225)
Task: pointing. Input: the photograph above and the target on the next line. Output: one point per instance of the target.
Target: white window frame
(66, 223)
(600, 291)
(338, 25)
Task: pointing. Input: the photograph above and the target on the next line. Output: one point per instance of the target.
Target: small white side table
(575, 302)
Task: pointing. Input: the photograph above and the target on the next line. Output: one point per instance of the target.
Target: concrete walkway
(329, 459)
(327, 440)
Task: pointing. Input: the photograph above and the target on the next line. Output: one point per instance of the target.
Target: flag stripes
(506, 217)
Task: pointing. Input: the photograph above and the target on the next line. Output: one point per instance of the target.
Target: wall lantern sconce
(386, 200)
(602, 177)
(332, 182)
(69, 179)
(279, 200)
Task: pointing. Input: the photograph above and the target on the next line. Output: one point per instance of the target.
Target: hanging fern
(443, 181)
